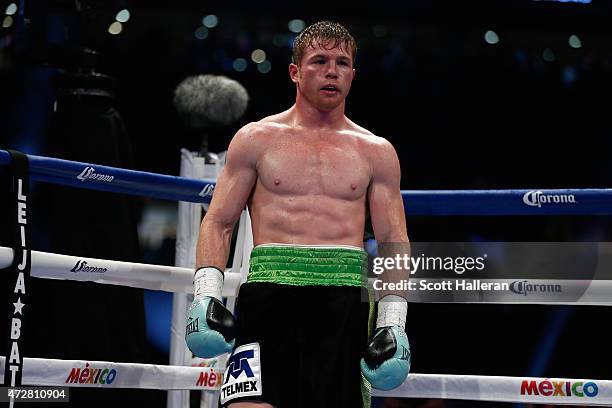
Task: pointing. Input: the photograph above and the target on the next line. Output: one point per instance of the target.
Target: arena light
(210, 21)
(548, 55)
(296, 25)
(123, 16)
(7, 22)
(11, 9)
(239, 64)
(258, 56)
(201, 33)
(569, 75)
(264, 67)
(491, 37)
(115, 28)
(575, 42)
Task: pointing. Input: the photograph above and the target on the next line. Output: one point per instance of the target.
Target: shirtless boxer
(308, 175)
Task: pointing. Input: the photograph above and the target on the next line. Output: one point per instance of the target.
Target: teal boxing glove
(386, 362)
(210, 326)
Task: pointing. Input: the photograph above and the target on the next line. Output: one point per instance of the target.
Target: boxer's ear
(294, 72)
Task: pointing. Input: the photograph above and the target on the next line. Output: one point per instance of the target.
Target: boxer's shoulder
(264, 130)
(364, 136)
(252, 139)
(373, 147)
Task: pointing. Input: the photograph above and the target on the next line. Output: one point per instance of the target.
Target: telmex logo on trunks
(559, 388)
(89, 173)
(243, 373)
(239, 363)
(537, 198)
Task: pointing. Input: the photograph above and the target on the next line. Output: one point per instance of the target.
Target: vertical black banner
(19, 271)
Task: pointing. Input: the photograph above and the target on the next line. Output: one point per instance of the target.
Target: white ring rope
(504, 389)
(155, 277)
(79, 373)
(176, 279)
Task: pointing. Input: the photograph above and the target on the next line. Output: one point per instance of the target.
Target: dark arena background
(473, 95)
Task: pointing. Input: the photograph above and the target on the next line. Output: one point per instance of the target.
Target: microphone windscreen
(208, 100)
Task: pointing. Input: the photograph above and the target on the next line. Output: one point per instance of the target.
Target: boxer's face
(324, 75)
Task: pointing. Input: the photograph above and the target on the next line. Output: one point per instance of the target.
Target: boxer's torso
(311, 184)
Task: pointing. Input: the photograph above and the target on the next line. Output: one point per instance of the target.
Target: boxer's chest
(333, 168)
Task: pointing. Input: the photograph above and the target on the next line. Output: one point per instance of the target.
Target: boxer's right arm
(210, 326)
(232, 190)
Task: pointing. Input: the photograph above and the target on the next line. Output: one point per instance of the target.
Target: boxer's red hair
(325, 34)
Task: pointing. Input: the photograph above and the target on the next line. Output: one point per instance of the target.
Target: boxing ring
(178, 280)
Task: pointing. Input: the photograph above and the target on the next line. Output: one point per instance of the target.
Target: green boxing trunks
(302, 328)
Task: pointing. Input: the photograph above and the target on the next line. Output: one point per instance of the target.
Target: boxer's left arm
(387, 359)
(387, 212)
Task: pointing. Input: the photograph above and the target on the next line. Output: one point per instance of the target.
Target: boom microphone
(210, 100)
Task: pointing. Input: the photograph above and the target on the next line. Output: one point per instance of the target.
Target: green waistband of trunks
(308, 265)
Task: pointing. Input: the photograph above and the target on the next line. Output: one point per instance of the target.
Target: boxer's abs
(307, 220)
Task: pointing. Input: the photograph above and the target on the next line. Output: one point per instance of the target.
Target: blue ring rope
(116, 180)
(416, 202)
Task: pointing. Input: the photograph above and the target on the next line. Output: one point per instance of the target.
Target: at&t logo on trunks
(537, 198)
(89, 173)
(243, 373)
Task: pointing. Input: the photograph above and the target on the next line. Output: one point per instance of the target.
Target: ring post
(188, 223)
